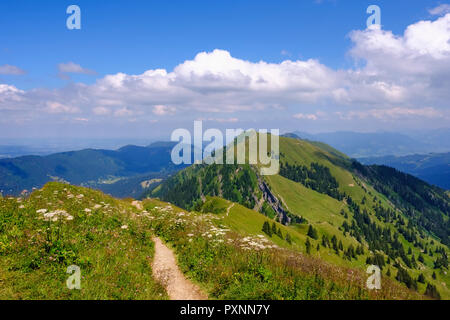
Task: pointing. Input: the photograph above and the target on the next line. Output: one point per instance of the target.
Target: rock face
(274, 202)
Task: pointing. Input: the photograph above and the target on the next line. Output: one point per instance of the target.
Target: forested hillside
(359, 215)
(433, 168)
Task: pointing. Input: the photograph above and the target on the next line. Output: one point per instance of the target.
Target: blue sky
(132, 37)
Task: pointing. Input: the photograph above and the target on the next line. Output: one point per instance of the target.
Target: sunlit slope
(62, 225)
(328, 214)
(331, 195)
(304, 153)
(250, 222)
(225, 251)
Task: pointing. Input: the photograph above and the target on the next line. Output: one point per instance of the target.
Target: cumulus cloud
(71, 67)
(7, 69)
(413, 68)
(440, 10)
(394, 76)
(10, 97)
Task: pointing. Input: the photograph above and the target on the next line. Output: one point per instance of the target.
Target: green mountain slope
(402, 223)
(110, 240)
(231, 258)
(63, 225)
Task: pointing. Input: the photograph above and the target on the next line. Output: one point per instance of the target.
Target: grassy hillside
(110, 240)
(62, 225)
(231, 258)
(319, 187)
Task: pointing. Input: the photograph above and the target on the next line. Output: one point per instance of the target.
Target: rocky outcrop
(274, 202)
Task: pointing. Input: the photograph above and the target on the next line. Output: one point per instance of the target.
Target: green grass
(320, 210)
(323, 212)
(34, 254)
(227, 255)
(230, 258)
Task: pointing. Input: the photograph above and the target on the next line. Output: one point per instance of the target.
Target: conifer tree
(266, 228)
(421, 278)
(274, 228)
(279, 233)
(288, 238)
(312, 233)
(432, 292)
(334, 243)
(308, 246)
(421, 258)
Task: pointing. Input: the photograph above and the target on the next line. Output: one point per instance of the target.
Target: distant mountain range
(433, 168)
(11, 148)
(360, 145)
(122, 173)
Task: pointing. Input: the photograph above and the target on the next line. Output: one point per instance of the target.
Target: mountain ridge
(339, 198)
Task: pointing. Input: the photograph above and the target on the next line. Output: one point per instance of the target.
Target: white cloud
(411, 69)
(71, 67)
(123, 112)
(10, 97)
(82, 119)
(162, 110)
(7, 69)
(101, 111)
(57, 107)
(394, 76)
(440, 10)
(305, 116)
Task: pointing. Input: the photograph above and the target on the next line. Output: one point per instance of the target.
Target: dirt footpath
(165, 270)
